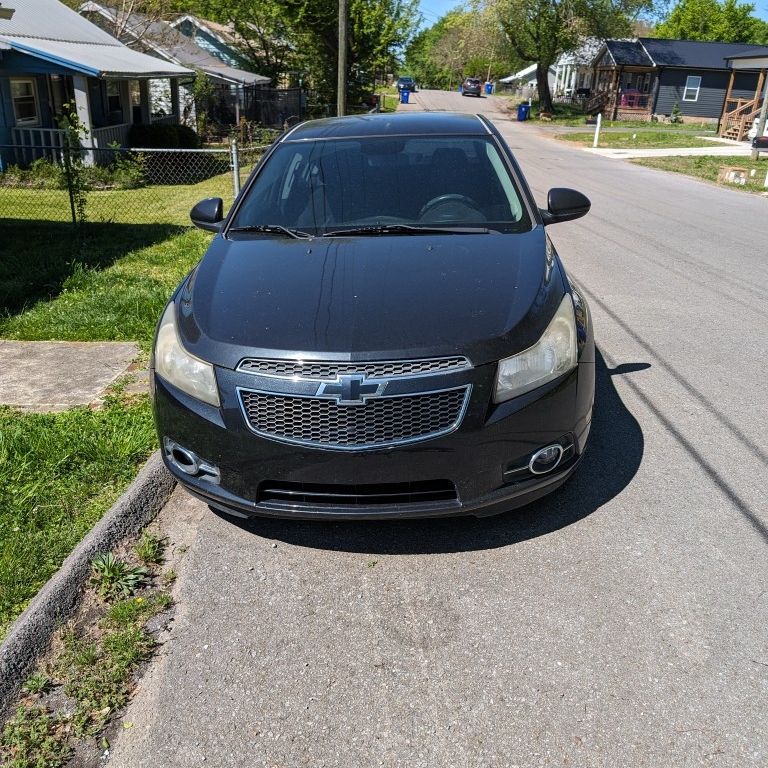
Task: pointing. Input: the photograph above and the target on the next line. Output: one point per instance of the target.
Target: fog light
(190, 463)
(546, 459)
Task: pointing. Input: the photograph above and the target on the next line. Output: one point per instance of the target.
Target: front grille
(318, 495)
(380, 422)
(307, 369)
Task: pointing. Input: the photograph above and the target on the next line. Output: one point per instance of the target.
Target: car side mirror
(565, 205)
(208, 214)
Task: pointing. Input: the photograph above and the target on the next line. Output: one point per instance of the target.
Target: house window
(24, 97)
(113, 96)
(692, 87)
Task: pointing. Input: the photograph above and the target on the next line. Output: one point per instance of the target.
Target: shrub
(163, 137)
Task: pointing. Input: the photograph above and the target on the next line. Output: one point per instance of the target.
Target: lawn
(638, 139)
(707, 168)
(60, 472)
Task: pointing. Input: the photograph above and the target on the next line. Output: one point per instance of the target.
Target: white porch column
(572, 84)
(557, 79)
(83, 109)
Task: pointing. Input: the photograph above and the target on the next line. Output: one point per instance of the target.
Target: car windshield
(428, 182)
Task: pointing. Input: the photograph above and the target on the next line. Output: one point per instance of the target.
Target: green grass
(638, 139)
(707, 168)
(119, 303)
(59, 473)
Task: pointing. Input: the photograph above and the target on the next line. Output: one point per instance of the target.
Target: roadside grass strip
(120, 302)
(91, 671)
(59, 474)
(708, 168)
(642, 139)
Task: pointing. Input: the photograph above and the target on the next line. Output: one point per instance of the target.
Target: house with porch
(228, 83)
(740, 112)
(637, 79)
(51, 56)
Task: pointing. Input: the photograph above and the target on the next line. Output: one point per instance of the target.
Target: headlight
(551, 356)
(177, 366)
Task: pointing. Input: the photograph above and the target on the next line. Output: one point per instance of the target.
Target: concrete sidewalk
(732, 150)
(56, 375)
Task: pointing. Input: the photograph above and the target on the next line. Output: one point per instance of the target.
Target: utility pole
(341, 80)
(761, 121)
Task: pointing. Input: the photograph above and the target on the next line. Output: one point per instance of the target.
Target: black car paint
(484, 296)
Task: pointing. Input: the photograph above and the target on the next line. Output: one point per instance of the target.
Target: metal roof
(48, 30)
(166, 41)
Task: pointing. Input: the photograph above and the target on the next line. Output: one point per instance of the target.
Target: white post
(82, 107)
(557, 79)
(597, 129)
(762, 119)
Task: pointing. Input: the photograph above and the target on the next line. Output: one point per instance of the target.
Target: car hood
(485, 296)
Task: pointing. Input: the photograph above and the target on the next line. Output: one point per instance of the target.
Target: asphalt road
(621, 622)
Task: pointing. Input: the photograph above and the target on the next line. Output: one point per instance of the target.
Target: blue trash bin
(404, 96)
(523, 110)
(489, 88)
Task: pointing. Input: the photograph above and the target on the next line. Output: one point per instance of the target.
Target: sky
(432, 10)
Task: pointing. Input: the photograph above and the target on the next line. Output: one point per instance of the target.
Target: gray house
(51, 56)
(635, 79)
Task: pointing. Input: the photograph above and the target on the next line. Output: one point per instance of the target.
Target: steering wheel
(448, 199)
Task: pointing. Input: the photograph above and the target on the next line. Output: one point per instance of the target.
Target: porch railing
(33, 143)
(738, 118)
(103, 137)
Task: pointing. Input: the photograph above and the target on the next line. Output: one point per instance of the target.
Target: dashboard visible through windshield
(401, 183)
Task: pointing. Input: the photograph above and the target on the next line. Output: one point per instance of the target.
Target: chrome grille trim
(307, 410)
(330, 369)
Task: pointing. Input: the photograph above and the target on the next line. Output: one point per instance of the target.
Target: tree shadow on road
(611, 461)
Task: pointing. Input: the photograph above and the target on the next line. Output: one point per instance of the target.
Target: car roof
(389, 124)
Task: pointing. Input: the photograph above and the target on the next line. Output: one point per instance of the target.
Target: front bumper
(482, 459)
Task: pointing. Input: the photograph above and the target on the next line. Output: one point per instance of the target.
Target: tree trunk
(542, 84)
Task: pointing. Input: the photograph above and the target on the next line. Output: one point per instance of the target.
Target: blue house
(51, 56)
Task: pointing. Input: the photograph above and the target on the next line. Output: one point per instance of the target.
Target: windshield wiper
(407, 229)
(273, 229)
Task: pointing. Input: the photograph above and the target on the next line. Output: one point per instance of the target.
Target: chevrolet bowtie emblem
(351, 390)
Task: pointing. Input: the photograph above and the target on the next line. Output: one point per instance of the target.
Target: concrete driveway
(621, 622)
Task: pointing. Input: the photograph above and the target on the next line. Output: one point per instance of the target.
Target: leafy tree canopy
(727, 21)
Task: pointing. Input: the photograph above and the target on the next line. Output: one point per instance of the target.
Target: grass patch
(638, 139)
(707, 168)
(59, 473)
(119, 303)
(86, 680)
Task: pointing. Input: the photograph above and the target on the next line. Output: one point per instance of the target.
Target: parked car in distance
(381, 327)
(406, 83)
(472, 86)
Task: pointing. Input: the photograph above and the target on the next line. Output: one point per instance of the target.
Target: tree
(542, 30)
(460, 43)
(262, 31)
(728, 21)
(378, 29)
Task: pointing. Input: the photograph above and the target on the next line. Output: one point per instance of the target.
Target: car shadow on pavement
(611, 461)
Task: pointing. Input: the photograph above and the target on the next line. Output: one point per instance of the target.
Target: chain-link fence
(94, 184)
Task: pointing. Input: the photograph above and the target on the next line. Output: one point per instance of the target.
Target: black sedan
(381, 327)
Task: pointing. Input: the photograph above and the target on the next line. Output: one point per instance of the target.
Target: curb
(30, 635)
